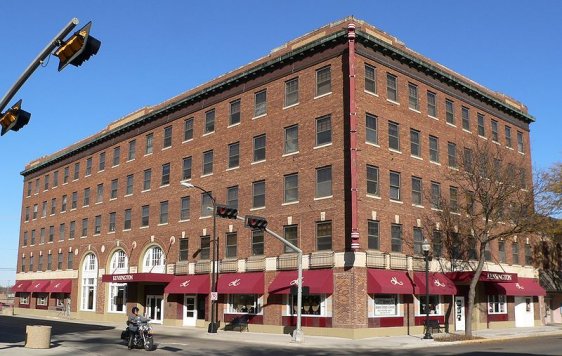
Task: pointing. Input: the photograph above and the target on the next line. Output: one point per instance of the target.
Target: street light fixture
(425, 249)
(213, 326)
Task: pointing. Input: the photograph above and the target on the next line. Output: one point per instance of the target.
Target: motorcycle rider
(133, 322)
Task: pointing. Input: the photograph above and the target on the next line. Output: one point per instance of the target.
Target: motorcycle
(141, 338)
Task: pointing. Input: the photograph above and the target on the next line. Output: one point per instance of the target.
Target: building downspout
(353, 138)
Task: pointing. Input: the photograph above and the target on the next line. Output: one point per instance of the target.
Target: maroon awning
(21, 286)
(39, 286)
(525, 287)
(485, 276)
(189, 284)
(439, 284)
(241, 283)
(382, 281)
(60, 286)
(318, 281)
(137, 277)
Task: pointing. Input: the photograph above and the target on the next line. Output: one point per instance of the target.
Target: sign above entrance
(137, 277)
(485, 276)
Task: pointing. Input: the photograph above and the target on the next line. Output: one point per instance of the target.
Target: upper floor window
(394, 186)
(324, 235)
(232, 197)
(452, 154)
(114, 186)
(323, 81)
(291, 188)
(208, 162)
(154, 260)
(164, 212)
(508, 142)
(372, 180)
(370, 79)
(259, 148)
(371, 129)
(186, 168)
(46, 186)
(76, 170)
(323, 130)
(165, 174)
(415, 144)
(323, 182)
(185, 208)
(413, 99)
(234, 155)
(465, 113)
(418, 241)
(167, 137)
(231, 244)
(292, 92)
(449, 112)
(391, 87)
(145, 215)
(66, 174)
(183, 250)
(146, 179)
(258, 243)
(435, 195)
(434, 149)
(260, 103)
(101, 163)
(373, 238)
(132, 150)
(55, 179)
(417, 191)
(291, 143)
(481, 129)
(520, 142)
(188, 129)
(431, 104)
(396, 237)
(495, 137)
(149, 143)
(290, 233)
(88, 166)
(234, 117)
(394, 135)
(116, 155)
(210, 121)
(130, 183)
(258, 193)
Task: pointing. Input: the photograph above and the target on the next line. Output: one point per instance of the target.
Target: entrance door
(459, 313)
(154, 307)
(524, 313)
(189, 310)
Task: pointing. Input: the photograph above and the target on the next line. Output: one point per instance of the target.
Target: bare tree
(490, 198)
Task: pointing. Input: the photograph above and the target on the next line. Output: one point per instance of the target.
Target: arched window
(119, 262)
(118, 291)
(153, 260)
(89, 282)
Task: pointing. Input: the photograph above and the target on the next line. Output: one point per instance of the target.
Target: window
(186, 168)
(232, 197)
(291, 143)
(467, 160)
(97, 225)
(258, 194)
(435, 195)
(114, 186)
(323, 130)
(112, 221)
(63, 204)
(146, 179)
(396, 237)
(452, 154)
(145, 215)
(206, 204)
(371, 129)
(292, 92)
(74, 202)
(71, 230)
(373, 238)
(323, 182)
(291, 188)
(132, 150)
(31, 263)
(53, 206)
(165, 174)
(501, 251)
(164, 212)
(88, 167)
(394, 186)
(415, 144)
(42, 236)
(437, 243)
(373, 180)
(167, 137)
(183, 255)
(99, 193)
(149, 143)
(413, 100)
(234, 117)
(32, 238)
(370, 79)
(259, 148)
(127, 225)
(29, 186)
(520, 142)
(257, 242)
(394, 136)
(210, 121)
(76, 170)
(465, 113)
(449, 112)
(84, 231)
(495, 131)
(243, 303)
(34, 211)
(66, 175)
(69, 260)
(528, 255)
(101, 164)
(86, 200)
(290, 233)
(26, 213)
(46, 182)
(434, 305)
(515, 253)
(208, 162)
(481, 130)
(324, 235)
(260, 103)
(454, 199)
(42, 298)
(323, 81)
(188, 129)
(488, 252)
(89, 282)
(234, 155)
(130, 182)
(184, 208)
(116, 156)
(59, 261)
(205, 247)
(51, 233)
(117, 297)
(418, 241)
(24, 238)
(417, 191)
(497, 304)
(508, 142)
(154, 260)
(44, 209)
(431, 104)
(391, 87)
(434, 149)
(37, 186)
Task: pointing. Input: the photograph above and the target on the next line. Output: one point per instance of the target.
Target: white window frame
(153, 260)
(497, 304)
(231, 308)
(323, 309)
(373, 305)
(89, 281)
(439, 310)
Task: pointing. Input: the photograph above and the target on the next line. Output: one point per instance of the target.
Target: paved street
(71, 337)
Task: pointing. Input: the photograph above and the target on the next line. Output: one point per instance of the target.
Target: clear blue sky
(154, 50)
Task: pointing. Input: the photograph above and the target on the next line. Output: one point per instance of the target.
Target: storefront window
(42, 299)
(386, 305)
(244, 303)
(311, 305)
(60, 300)
(24, 298)
(497, 304)
(117, 297)
(434, 305)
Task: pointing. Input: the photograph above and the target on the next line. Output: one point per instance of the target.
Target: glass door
(154, 307)
(189, 310)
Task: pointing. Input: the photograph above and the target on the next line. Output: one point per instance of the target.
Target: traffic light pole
(36, 62)
(298, 335)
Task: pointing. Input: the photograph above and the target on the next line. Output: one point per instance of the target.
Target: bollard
(37, 336)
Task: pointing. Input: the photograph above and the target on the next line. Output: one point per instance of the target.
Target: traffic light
(256, 222)
(226, 212)
(14, 119)
(78, 48)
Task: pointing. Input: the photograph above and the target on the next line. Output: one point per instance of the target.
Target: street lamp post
(425, 249)
(213, 326)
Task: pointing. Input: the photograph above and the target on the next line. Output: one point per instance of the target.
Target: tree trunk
(472, 291)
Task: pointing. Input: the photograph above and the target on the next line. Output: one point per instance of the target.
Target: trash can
(37, 336)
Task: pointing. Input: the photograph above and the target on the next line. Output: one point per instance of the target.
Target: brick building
(330, 137)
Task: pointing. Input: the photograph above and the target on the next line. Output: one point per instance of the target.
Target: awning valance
(39, 286)
(60, 286)
(439, 284)
(320, 281)
(21, 286)
(382, 281)
(189, 284)
(241, 283)
(525, 287)
(137, 277)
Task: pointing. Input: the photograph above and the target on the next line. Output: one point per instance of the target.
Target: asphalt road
(89, 339)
